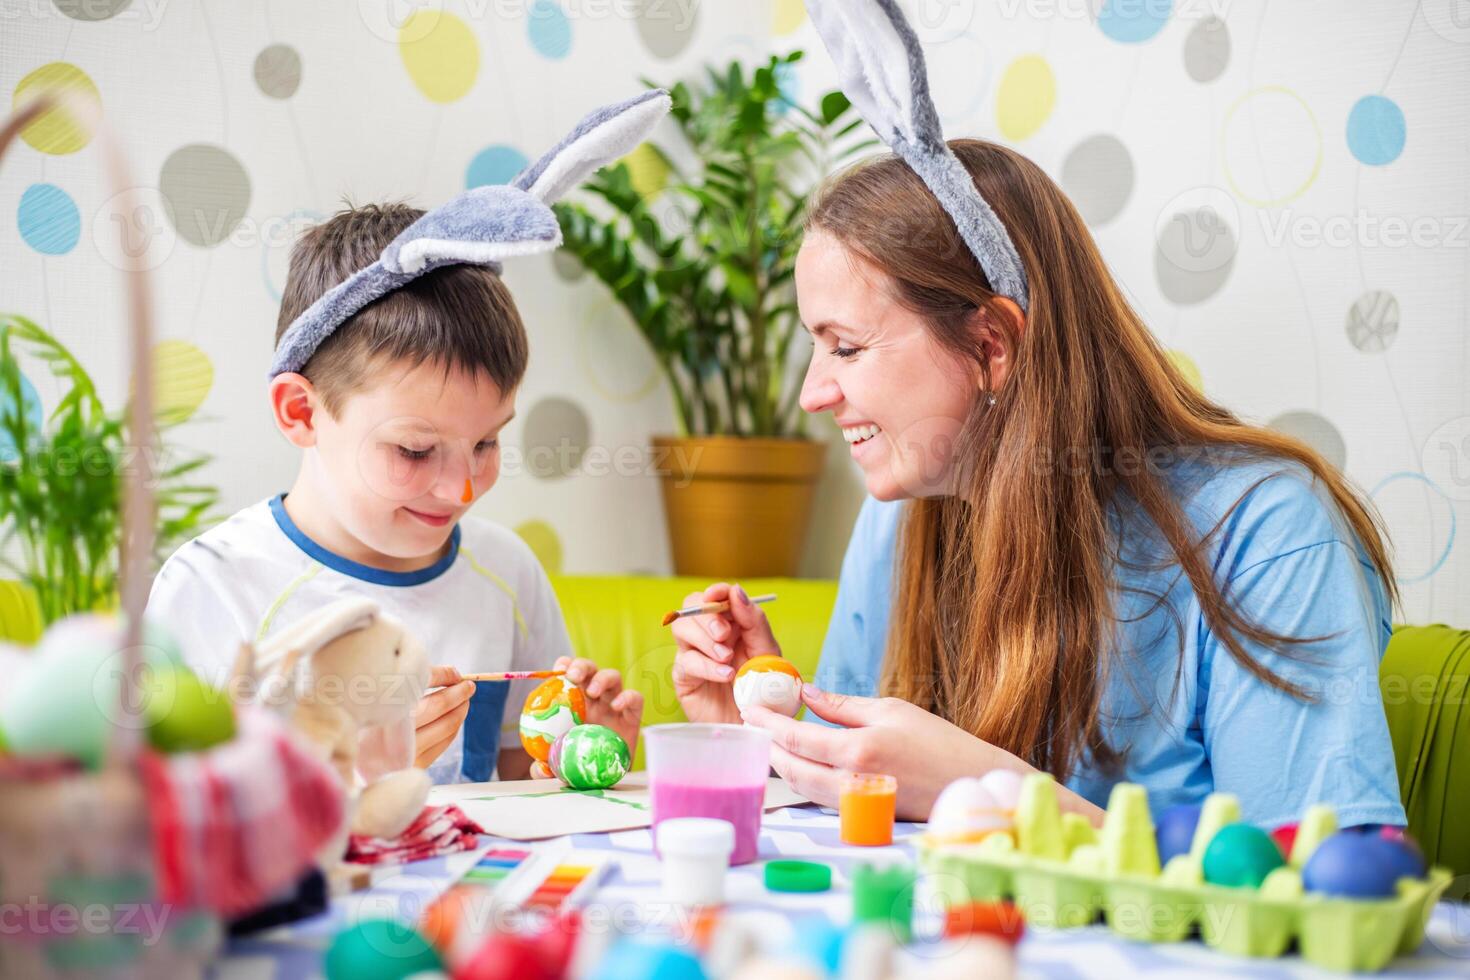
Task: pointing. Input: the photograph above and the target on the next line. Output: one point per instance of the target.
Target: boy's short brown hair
(460, 315)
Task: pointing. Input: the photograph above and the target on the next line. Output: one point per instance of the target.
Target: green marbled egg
(590, 757)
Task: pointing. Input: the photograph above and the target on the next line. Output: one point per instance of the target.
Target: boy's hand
(438, 715)
(607, 702)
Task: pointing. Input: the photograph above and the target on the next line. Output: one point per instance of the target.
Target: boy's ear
(294, 405)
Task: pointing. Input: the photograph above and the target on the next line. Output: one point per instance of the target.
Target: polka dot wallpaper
(1283, 191)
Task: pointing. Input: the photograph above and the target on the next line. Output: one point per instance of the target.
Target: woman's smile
(857, 435)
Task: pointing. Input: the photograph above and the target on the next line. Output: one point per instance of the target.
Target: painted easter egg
(771, 682)
(1358, 865)
(1241, 855)
(379, 949)
(65, 702)
(1174, 830)
(1403, 854)
(590, 757)
(185, 714)
(505, 956)
(449, 922)
(966, 811)
(1285, 838)
(551, 710)
(644, 956)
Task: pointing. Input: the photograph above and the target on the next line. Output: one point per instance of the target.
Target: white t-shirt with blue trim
(1190, 719)
(487, 605)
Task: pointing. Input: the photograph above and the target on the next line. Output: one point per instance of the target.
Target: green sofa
(615, 621)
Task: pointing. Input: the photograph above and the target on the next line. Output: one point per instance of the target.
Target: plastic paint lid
(798, 876)
(999, 919)
(696, 837)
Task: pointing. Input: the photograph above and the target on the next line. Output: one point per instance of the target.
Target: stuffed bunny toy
(346, 676)
(880, 66)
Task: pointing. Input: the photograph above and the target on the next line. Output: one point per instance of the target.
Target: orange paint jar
(865, 806)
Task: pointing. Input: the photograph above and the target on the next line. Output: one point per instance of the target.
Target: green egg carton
(1062, 873)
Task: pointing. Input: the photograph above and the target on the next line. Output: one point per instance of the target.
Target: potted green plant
(61, 482)
(706, 270)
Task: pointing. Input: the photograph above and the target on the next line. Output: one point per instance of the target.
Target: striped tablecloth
(630, 895)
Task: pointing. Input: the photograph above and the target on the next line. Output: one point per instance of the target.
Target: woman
(1072, 560)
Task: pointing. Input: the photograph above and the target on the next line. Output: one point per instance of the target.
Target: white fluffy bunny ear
(298, 643)
(600, 138)
(880, 64)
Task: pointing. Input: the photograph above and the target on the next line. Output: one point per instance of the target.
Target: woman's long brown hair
(1006, 590)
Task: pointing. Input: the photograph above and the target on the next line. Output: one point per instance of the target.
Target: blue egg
(496, 164)
(1174, 830)
(1404, 857)
(48, 219)
(1356, 865)
(820, 943)
(1133, 22)
(29, 409)
(788, 83)
(549, 30)
(648, 958)
(1376, 130)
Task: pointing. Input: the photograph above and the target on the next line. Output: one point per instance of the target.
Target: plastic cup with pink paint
(716, 771)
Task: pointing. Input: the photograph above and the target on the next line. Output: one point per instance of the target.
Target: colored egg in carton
(1350, 900)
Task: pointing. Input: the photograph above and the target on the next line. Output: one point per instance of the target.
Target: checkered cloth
(236, 825)
(439, 830)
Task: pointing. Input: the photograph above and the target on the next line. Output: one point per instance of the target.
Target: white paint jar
(695, 853)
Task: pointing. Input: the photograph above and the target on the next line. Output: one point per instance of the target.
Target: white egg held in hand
(770, 682)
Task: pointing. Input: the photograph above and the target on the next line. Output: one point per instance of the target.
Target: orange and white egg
(771, 682)
(554, 708)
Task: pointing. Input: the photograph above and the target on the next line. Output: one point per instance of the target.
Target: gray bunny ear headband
(881, 68)
(482, 226)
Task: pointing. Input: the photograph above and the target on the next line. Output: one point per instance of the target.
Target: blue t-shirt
(1290, 563)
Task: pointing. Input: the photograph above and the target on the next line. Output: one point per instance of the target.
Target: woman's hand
(438, 715)
(712, 648)
(607, 701)
(922, 751)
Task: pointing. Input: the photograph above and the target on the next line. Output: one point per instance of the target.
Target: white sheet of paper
(535, 809)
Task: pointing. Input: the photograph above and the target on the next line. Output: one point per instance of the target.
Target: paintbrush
(710, 607)
(506, 675)
(513, 675)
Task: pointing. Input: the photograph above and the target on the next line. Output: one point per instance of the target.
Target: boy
(397, 415)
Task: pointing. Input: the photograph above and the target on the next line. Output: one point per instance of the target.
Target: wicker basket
(78, 886)
(77, 882)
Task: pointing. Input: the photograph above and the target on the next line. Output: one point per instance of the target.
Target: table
(807, 832)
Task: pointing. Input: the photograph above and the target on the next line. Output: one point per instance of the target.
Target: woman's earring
(989, 397)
